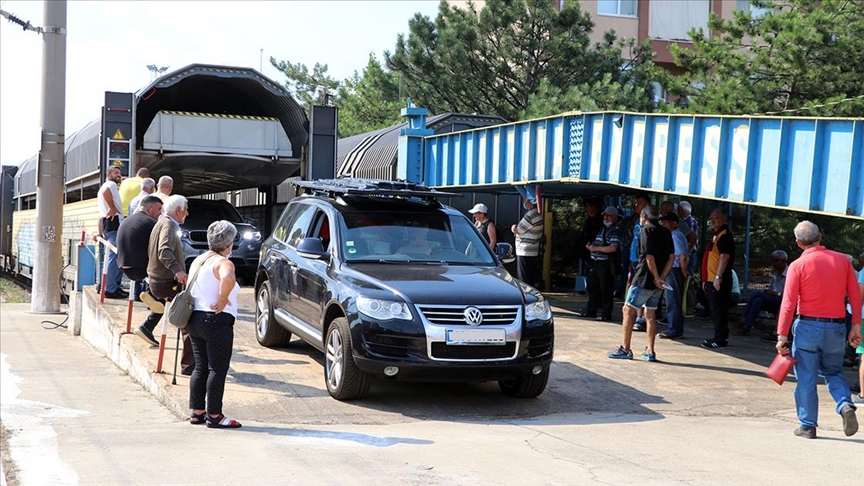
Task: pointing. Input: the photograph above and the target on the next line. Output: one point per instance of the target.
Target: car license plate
(475, 336)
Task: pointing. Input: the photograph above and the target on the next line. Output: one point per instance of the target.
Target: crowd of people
(142, 219)
(651, 259)
(647, 258)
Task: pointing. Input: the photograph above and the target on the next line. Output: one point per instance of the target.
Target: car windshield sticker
(349, 243)
(352, 250)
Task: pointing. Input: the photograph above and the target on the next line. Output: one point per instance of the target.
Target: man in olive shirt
(166, 268)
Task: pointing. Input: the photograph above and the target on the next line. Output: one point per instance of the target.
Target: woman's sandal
(198, 418)
(222, 422)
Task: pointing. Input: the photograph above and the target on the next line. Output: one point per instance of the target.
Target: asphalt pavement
(71, 416)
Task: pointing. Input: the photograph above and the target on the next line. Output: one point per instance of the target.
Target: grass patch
(12, 293)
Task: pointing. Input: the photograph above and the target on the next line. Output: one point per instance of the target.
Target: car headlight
(540, 310)
(383, 310)
(252, 235)
(182, 234)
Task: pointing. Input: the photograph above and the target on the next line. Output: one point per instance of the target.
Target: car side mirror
(252, 222)
(504, 252)
(313, 248)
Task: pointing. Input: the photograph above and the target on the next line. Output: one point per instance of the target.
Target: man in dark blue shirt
(605, 265)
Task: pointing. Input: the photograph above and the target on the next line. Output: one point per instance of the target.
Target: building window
(625, 8)
(755, 12)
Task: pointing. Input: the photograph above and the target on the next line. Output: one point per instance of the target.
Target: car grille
(388, 345)
(493, 315)
(444, 351)
(201, 236)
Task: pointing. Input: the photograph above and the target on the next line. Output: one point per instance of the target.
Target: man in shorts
(656, 254)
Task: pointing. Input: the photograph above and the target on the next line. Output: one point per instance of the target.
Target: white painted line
(32, 440)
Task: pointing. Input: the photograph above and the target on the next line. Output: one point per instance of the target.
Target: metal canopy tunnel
(805, 164)
(216, 128)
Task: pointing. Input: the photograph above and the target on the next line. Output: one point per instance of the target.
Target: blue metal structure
(806, 164)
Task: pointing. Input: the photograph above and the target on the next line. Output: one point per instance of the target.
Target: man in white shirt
(148, 186)
(164, 189)
(110, 216)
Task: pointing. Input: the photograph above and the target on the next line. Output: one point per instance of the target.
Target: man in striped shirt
(528, 233)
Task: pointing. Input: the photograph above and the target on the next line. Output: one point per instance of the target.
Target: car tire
(267, 330)
(343, 379)
(526, 386)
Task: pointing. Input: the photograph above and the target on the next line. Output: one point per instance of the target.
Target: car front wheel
(344, 380)
(525, 386)
(268, 332)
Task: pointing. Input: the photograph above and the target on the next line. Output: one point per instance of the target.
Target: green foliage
(369, 101)
(801, 54)
(518, 58)
(303, 85)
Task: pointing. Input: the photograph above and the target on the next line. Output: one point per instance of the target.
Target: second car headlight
(252, 235)
(383, 309)
(540, 310)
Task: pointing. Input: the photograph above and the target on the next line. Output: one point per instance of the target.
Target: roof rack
(371, 188)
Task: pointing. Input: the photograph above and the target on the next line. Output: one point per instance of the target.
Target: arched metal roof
(220, 90)
(374, 154)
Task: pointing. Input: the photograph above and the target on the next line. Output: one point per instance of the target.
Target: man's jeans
(674, 301)
(758, 302)
(818, 347)
(115, 275)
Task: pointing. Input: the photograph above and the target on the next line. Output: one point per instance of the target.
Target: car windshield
(201, 215)
(401, 237)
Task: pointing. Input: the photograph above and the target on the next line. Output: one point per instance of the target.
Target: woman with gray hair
(211, 326)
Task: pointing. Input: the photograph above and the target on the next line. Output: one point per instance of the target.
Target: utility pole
(45, 297)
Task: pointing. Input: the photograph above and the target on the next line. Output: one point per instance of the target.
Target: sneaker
(640, 327)
(806, 432)
(669, 335)
(117, 294)
(155, 306)
(711, 344)
(621, 353)
(603, 319)
(146, 335)
(187, 370)
(650, 357)
(584, 313)
(850, 421)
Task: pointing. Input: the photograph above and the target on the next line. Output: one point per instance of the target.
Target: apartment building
(664, 22)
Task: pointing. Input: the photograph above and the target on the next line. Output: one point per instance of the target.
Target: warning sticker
(118, 135)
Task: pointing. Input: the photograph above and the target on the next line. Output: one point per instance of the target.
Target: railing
(130, 302)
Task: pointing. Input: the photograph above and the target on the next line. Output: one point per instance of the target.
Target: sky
(110, 44)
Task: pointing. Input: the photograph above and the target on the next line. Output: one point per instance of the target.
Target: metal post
(744, 290)
(49, 178)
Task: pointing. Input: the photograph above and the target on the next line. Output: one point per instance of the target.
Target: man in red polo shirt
(818, 284)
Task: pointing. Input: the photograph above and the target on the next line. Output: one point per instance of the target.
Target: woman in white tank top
(211, 326)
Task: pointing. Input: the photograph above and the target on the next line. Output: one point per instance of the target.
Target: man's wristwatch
(782, 339)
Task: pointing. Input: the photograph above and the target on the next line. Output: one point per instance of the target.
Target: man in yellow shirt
(131, 187)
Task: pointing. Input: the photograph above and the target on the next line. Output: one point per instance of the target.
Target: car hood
(439, 284)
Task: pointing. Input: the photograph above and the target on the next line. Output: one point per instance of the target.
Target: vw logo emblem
(473, 316)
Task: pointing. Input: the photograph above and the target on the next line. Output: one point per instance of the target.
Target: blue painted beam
(806, 164)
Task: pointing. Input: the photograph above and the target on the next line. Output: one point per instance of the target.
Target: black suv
(193, 234)
(389, 283)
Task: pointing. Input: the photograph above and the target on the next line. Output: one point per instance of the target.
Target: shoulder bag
(180, 308)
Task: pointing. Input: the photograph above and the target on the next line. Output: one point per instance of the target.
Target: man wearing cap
(484, 225)
(675, 280)
(601, 279)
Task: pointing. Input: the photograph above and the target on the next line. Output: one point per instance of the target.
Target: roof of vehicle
(372, 189)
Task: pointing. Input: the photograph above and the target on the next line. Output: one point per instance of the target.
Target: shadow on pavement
(364, 439)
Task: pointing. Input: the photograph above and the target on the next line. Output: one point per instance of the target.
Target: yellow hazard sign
(118, 135)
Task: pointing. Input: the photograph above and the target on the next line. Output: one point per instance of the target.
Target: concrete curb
(99, 330)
